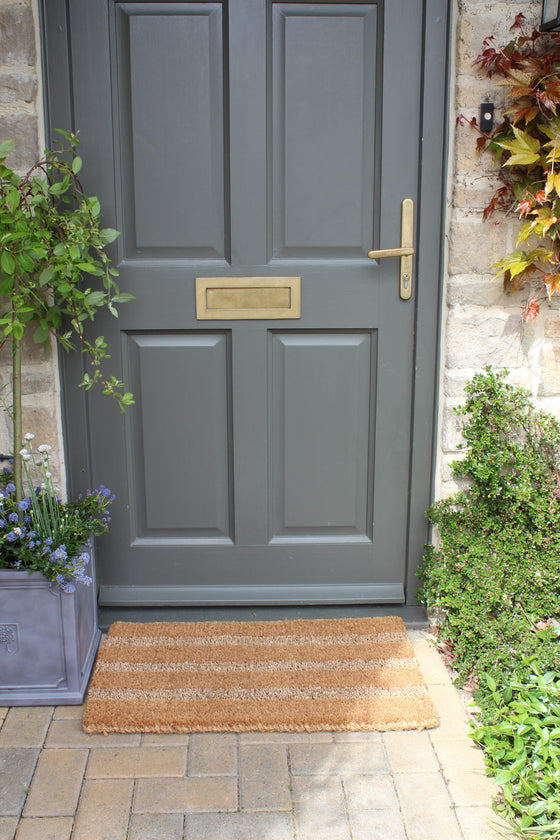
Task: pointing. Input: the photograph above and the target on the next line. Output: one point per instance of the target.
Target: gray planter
(48, 639)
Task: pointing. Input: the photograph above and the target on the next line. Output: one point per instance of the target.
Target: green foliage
(526, 145)
(495, 579)
(521, 739)
(50, 239)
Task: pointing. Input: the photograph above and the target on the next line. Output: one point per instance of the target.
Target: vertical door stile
(248, 166)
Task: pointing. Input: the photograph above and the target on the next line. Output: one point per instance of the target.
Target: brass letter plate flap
(231, 298)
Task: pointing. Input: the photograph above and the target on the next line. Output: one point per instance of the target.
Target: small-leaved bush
(494, 580)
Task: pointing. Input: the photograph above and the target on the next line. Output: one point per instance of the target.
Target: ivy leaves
(55, 273)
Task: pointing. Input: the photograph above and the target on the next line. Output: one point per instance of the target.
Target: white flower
(48, 474)
(44, 447)
(25, 454)
(29, 436)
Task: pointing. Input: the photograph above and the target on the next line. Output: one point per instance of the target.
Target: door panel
(249, 138)
(168, 59)
(324, 99)
(321, 433)
(189, 375)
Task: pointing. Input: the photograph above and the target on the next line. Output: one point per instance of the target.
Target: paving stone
(25, 726)
(16, 770)
(410, 752)
(56, 783)
(426, 807)
(327, 822)
(45, 828)
(8, 827)
(156, 827)
(430, 662)
(69, 712)
(476, 822)
(212, 754)
(365, 793)
(318, 790)
(338, 759)
(463, 768)
(69, 733)
(285, 737)
(452, 714)
(154, 739)
(264, 782)
(377, 825)
(3, 712)
(369, 737)
(137, 762)
(104, 810)
(239, 826)
(177, 796)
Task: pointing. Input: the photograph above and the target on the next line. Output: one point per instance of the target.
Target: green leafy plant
(50, 240)
(494, 578)
(521, 739)
(496, 571)
(526, 145)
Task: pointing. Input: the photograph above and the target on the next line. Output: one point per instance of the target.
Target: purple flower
(13, 517)
(2, 523)
(11, 487)
(24, 504)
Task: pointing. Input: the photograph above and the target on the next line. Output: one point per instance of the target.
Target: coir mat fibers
(285, 676)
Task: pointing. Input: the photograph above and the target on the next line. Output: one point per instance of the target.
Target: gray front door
(266, 458)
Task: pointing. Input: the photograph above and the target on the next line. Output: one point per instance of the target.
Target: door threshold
(414, 616)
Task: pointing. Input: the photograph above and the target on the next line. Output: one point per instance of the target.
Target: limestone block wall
(481, 324)
(21, 118)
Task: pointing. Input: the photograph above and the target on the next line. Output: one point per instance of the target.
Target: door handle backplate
(405, 252)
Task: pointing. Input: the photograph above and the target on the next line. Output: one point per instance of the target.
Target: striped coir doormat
(287, 676)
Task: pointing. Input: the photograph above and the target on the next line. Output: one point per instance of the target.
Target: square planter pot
(48, 639)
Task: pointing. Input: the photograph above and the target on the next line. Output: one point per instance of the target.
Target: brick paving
(57, 783)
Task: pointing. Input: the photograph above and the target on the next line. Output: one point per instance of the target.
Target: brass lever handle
(390, 252)
(405, 252)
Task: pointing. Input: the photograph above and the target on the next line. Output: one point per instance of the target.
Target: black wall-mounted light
(550, 15)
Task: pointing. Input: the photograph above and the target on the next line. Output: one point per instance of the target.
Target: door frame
(427, 298)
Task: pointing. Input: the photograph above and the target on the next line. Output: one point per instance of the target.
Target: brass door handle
(405, 252)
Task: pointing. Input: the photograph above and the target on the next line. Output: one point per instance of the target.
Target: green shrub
(495, 579)
(496, 571)
(495, 575)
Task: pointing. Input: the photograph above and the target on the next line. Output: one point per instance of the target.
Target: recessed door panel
(180, 469)
(169, 63)
(322, 432)
(324, 135)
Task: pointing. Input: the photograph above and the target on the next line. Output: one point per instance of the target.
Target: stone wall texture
(21, 119)
(480, 323)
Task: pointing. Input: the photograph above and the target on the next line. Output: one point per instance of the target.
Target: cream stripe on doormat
(283, 676)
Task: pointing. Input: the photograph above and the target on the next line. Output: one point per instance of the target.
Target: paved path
(56, 783)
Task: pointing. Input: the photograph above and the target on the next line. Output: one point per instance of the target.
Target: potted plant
(50, 239)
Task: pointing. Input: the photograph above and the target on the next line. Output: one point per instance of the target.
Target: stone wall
(21, 119)
(481, 324)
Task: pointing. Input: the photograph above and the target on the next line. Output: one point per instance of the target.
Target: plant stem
(17, 423)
